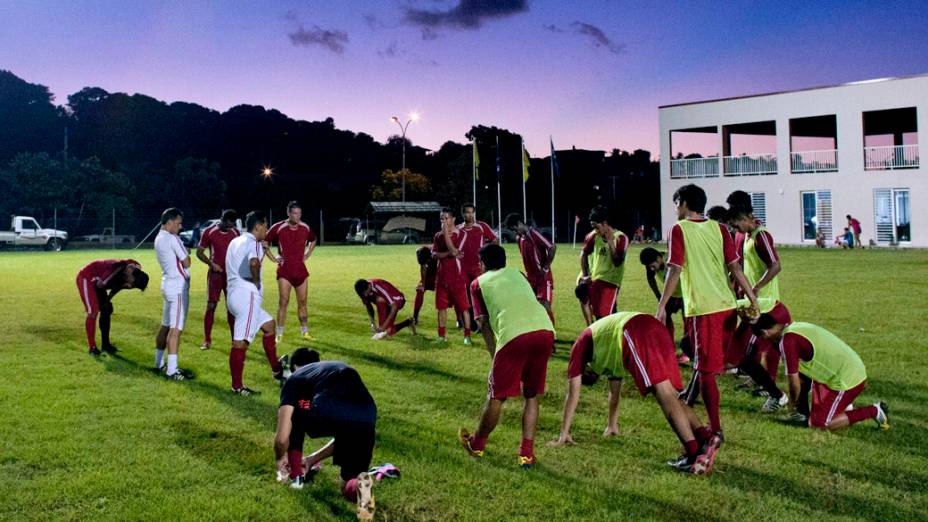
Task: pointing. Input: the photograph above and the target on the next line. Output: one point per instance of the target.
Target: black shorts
(674, 305)
(354, 441)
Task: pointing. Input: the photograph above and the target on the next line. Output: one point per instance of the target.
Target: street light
(267, 172)
(414, 116)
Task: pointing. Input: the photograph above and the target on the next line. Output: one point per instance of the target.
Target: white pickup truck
(25, 231)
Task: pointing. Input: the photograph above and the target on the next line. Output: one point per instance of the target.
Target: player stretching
(175, 290)
(93, 281)
(602, 262)
(388, 300)
(817, 359)
(295, 243)
(520, 339)
(243, 261)
(216, 238)
(537, 256)
(428, 271)
(656, 270)
(701, 255)
(450, 289)
(327, 399)
(476, 234)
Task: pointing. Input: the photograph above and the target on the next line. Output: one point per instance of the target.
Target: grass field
(107, 439)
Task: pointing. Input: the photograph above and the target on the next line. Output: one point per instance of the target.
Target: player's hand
(563, 440)
(608, 233)
(611, 431)
(661, 314)
(283, 469)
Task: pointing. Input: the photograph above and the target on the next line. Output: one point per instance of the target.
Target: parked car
(26, 232)
(405, 230)
(106, 236)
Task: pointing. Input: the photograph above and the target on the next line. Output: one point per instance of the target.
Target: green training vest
(607, 343)
(661, 275)
(833, 363)
(511, 305)
(704, 277)
(754, 269)
(601, 267)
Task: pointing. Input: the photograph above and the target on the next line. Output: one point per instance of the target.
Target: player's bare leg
(675, 411)
(302, 292)
(488, 421)
(283, 287)
(208, 318)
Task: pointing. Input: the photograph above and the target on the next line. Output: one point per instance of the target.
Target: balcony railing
(750, 164)
(891, 157)
(814, 161)
(694, 168)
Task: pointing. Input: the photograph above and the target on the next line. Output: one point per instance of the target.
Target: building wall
(851, 186)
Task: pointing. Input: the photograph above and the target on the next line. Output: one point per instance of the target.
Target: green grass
(107, 439)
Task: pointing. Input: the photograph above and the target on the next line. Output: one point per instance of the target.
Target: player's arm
(617, 249)
(570, 408)
(769, 257)
(652, 282)
(550, 251)
(670, 286)
(742, 282)
(615, 393)
(794, 387)
(584, 264)
(254, 266)
(309, 249)
(488, 336)
(370, 314)
(282, 437)
(392, 315)
(452, 250)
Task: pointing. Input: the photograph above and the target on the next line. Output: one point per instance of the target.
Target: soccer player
(243, 264)
(582, 293)
(476, 234)
(520, 338)
(817, 359)
(636, 344)
(327, 399)
(537, 256)
(602, 262)
(175, 290)
(428, 271)
(656, 269)
(450, 288)
(216, 238)
(93, 281)
(295, 243)
(388, 300)
(701, 255)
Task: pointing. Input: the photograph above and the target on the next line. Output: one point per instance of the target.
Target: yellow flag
(524, 163)
(476, 161)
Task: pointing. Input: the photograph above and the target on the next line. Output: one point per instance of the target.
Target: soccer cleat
(760, 392)
(379, 335)
(795, 416)
(464, 437)
(93, 351)
(297, 483)
(176, 376)
(366, 504)
(527, 462)
(441, 340)
(467, 341)
(706, 459)
(204, 346)
(284, 374)
(681, 463)
(307, 337)
(772, 405)
(882, 415)
(244, 391)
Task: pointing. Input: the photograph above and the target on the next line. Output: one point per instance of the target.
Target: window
(29, 224)
(892, 215)
(816, 215)
(759, 202)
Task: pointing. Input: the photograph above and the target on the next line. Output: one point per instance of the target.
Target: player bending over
(428, 270)
(93, 282)
(656, 270)
(388, 300)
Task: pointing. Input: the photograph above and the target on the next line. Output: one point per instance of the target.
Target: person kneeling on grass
(520, 338)
(640, 345)
(818, 359)
(388, 300)
(327, 399)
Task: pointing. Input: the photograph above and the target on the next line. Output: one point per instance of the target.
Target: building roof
(398, 206)
(862, 82)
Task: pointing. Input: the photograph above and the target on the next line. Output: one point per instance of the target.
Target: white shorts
(245, 305)
(176, 303)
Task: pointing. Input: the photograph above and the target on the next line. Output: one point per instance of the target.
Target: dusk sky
(590, 73)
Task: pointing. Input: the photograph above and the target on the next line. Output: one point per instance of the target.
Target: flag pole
(553, 234)
(524, 206)
(474, 201)
(499, 199)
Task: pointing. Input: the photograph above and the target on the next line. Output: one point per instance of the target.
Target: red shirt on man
(475, 236)
(450, 269)
(534, 249)
(217, 242)
(291, 241)
(102, 269)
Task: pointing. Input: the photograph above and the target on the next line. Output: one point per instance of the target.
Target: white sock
(172, 363)
(159, 358)
(280, 330)
(304, 329)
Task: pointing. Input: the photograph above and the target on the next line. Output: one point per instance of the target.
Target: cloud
(373, 22)
(467, 14)
(553, 28)
(391, 50)
(291, 16)
(598, 37)
(332, 40)
(428, 34)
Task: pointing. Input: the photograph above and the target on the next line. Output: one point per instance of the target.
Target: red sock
(441, 331)
(420, 296)
(466, 332)
(691, 448)
(527, 449)
(270, 350)
(478, 443)
(295, 459)
(231, 319)
(702, 434)
(350, 491)
(90, 325)
(208, 325)
(710, 394)
(237, 366)
(855, 416)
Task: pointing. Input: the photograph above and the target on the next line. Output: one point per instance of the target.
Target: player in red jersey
(537, 256)
(388, 300)
(295, 243)
(428, 271)
(450, 289)
(476, 234)
(216, 238)
(93, 281)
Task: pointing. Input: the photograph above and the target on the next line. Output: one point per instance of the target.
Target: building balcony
(810, 161)
(891, 157)
(750, 165)
(694, 168)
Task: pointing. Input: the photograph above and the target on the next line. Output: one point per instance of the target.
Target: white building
(809, 158)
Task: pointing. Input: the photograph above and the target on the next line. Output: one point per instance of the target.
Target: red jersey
(475, 236)
(431, 273)
(450, 269)
(99, 272)
(795, 347)
(534, 249)
(386, 292)
(217, 242)
(291, 241)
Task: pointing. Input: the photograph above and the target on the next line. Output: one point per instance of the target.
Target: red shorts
(648, 354)
(602, 298)
(294, 273)
(745, 344)
(543, 286)
(215, 283)
(449, 294)
(710, 334)
(521, 366)
(383, 311)
(88, 293)
(826, 403)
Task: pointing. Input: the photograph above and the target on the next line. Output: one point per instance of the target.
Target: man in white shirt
(243, 272)
(175, 290)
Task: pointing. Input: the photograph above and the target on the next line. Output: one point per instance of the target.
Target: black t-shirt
(329, 390)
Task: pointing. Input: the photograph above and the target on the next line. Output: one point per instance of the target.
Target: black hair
(229, 215)
(740, 198)
(170, 214)
(693, 196)
(764, 322)
(848, 216)
(294, 204)
(468, 205)
(599, 214)
(140, 279)
(253, 219)
(582, 291)
(588, 377)
(361, 286)
(512, 220)
(493, 256)
(737, 212)
(649, 255)
(302, 357)
(447, 210)
(718, 213)
(423, 255)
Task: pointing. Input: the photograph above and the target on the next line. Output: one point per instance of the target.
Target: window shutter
(883, 214)
(823, 211)
(759, 202)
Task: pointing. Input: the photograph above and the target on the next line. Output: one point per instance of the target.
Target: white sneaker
(772, 405)
(378, 336)
(365, 497)
(297, 483)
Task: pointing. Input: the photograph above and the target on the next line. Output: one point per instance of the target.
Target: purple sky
(591, 74)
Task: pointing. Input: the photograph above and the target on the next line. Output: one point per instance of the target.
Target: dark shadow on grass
(910, 481)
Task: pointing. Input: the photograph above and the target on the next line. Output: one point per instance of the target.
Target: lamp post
(412, 117)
